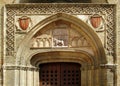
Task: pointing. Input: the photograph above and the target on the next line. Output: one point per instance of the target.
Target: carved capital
(112, 67)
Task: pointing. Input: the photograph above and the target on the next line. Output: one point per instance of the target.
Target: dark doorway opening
(60, 74)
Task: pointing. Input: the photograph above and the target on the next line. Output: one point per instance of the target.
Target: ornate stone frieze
(10, 32)
(74, 9)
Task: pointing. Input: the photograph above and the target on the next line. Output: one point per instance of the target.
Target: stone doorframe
(83, 58)
(91, 69)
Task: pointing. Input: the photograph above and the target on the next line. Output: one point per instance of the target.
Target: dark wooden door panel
(70, 74)
(50, 75)
(60, 74)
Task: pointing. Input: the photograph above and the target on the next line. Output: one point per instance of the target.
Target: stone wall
(118, 43)
(117, 2)
(1, 16)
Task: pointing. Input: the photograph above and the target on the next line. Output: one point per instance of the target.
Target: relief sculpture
(96, 21)
(58, 43)
(41, 41)
(59, 37)
(24, 23)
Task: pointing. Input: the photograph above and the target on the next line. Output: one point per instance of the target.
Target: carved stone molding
(112, 67)
(73, 9)
(25, 68)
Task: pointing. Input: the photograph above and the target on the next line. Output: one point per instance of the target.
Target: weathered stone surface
(16, 74)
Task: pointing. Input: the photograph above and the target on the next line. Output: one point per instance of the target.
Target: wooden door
(60, 74)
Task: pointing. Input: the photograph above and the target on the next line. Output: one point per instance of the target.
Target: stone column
(17, 77)
(30, 78)
(9, 76)
(95, 75)
(103, 77)
(26, 76)
(23, 77)
(89, 74)
(108, 70)
(83, 76)
(36, 77)
(1, 45)
(110, 78)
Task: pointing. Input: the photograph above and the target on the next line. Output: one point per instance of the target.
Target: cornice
(56, 4)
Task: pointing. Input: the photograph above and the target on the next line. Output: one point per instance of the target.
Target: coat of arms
(96, 21)
(24, 22)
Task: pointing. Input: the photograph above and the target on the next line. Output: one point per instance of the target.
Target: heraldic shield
(96, 21)
(24, 22)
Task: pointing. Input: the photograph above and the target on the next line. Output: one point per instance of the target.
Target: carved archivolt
(73, 9)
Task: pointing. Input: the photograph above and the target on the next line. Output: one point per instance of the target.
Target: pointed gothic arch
(90, 63)
(83, 27)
